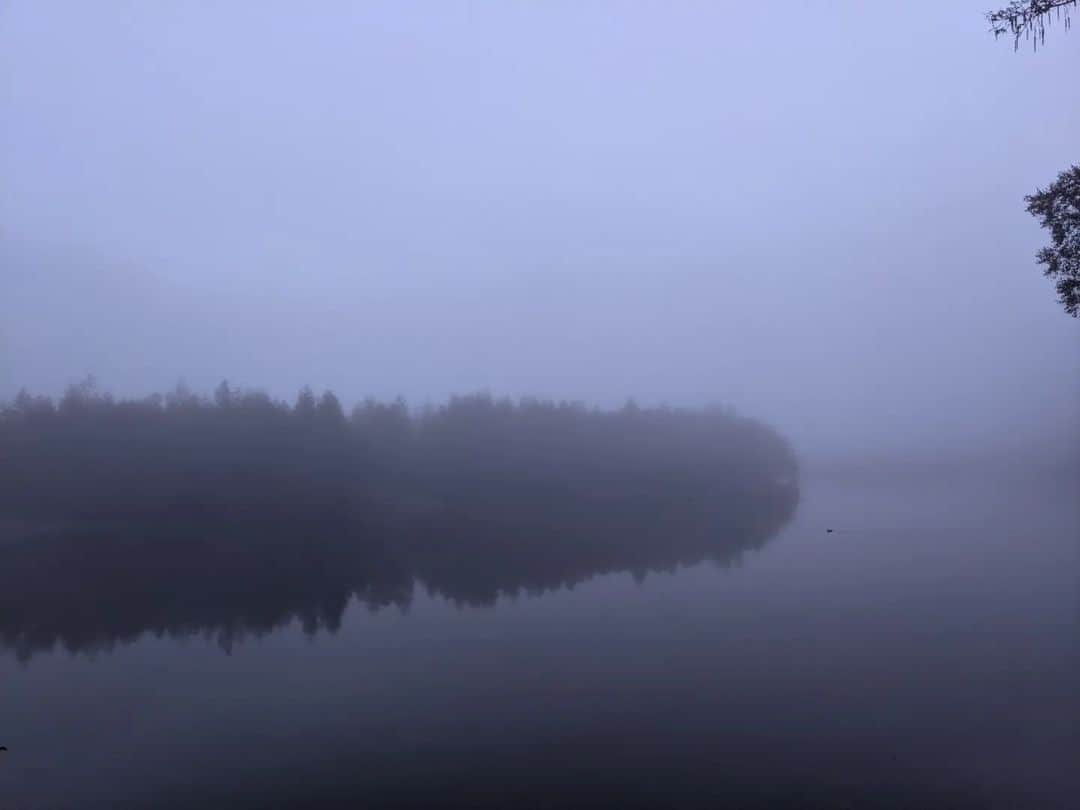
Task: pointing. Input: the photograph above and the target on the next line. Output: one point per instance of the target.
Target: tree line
(233, 514)
(92, 456)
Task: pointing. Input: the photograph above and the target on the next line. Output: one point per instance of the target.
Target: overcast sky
(812, 212)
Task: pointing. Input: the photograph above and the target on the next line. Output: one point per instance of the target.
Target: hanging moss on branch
(1029, 18)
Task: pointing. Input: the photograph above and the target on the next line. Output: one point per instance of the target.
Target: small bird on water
(828, 531)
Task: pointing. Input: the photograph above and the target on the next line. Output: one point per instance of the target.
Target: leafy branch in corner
(1028, 19)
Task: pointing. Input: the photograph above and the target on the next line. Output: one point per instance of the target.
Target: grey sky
(810, 211)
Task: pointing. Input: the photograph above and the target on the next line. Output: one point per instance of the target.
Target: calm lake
(923, 654)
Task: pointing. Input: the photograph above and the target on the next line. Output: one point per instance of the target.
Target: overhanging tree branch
(1029, 18)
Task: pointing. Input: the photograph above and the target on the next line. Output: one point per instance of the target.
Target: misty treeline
(234, 514)
(92, 456)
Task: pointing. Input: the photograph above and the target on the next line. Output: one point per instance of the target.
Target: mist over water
(922, 654)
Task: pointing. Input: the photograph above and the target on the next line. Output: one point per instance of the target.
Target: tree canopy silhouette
(1058, 210)
(92, 456)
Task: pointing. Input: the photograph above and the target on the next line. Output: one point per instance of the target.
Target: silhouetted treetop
(1058, 210)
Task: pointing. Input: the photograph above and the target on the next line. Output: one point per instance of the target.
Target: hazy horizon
(814, 216)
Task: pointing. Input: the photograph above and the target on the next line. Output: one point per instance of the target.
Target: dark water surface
(924, 654)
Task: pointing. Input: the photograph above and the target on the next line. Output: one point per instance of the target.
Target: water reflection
(88, 588)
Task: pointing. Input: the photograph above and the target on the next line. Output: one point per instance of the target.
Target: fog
(691, 370)
(812, 214)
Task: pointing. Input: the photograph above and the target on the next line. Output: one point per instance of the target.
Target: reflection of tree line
(240, 514)
(90, 588)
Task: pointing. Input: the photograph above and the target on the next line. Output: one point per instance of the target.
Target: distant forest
(92, 456)
(232, 515)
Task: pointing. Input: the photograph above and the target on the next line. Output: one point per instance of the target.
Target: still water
(923, 654)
